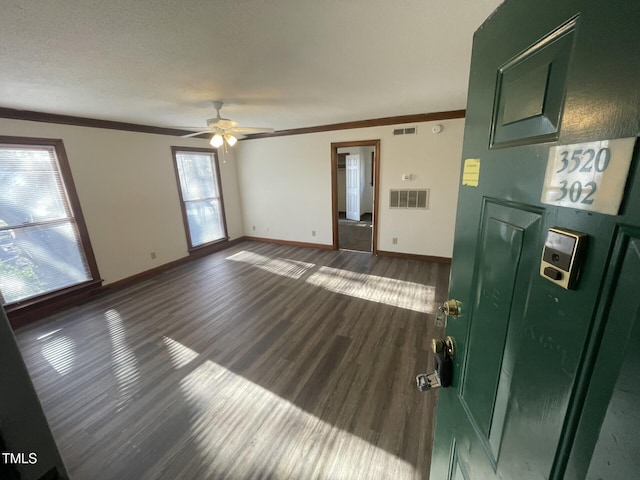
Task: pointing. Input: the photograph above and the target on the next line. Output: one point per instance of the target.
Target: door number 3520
(586, 160)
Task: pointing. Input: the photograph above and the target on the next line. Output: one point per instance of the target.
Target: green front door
(546, 380)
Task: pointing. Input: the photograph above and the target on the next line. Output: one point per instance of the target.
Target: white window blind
(40, 247)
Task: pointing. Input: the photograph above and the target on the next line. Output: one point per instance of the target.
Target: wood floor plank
(260, 361)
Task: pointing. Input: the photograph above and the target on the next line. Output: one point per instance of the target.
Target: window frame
(59, 296)
(175, 150)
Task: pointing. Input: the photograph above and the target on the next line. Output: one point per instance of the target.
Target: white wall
(285, 186)
(128, 193)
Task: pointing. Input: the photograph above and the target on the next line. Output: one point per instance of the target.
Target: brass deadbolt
(451, 308)
(437, 345)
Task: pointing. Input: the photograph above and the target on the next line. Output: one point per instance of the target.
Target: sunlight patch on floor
(275, 438)
(180, 354)
(398, 293)
(60, 353)
(280, 266)
(125, 363)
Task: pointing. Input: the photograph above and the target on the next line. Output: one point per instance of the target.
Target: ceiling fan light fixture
(231, 140)
(224, 130)
(216, 140)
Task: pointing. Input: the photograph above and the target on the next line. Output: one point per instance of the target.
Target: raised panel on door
(530, 90)
(506, 231)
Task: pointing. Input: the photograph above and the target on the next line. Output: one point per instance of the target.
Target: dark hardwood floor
(261, 361)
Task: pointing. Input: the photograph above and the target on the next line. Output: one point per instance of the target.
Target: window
(200, 194)
(44, 246)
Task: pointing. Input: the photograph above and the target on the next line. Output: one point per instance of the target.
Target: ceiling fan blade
(223, 123)
(195, 134)
(251, 130)
(201, 128)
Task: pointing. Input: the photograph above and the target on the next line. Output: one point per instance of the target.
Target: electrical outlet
(394, 240)
(153, 255)
(254, 228)
(313, 233)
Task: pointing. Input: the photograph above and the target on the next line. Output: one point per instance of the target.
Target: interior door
(352, 164)
(537, 384)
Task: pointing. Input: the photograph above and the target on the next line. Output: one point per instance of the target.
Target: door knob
(452, 308)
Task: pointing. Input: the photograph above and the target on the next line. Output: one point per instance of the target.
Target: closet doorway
(355, 169)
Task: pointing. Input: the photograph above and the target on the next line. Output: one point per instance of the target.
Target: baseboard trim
(413, 256)
(291, 243)
(193, 255)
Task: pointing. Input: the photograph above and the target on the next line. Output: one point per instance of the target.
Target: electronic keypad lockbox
(562, 256)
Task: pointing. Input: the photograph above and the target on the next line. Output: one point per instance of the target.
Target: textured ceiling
(280, 63)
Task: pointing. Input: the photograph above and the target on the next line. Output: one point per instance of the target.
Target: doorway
(354, 178)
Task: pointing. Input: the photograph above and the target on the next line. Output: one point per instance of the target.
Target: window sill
(30, 310)
(207, 248)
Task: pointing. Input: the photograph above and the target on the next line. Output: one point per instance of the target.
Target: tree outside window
(42, 249)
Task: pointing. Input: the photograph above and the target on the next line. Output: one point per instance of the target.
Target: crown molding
(375, 122)
(87, 122)
(34, 116)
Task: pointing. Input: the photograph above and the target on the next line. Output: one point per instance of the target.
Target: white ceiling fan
(223, 129)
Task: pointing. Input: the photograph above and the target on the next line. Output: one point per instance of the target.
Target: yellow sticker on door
(471, 172)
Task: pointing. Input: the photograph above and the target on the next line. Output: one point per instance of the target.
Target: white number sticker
(588, 176)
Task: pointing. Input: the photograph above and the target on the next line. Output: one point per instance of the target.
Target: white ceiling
(280, 63)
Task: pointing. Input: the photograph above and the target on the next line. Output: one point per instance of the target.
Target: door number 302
(582, 161)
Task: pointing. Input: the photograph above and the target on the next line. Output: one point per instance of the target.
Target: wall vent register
(405, 131)
(417, 199)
